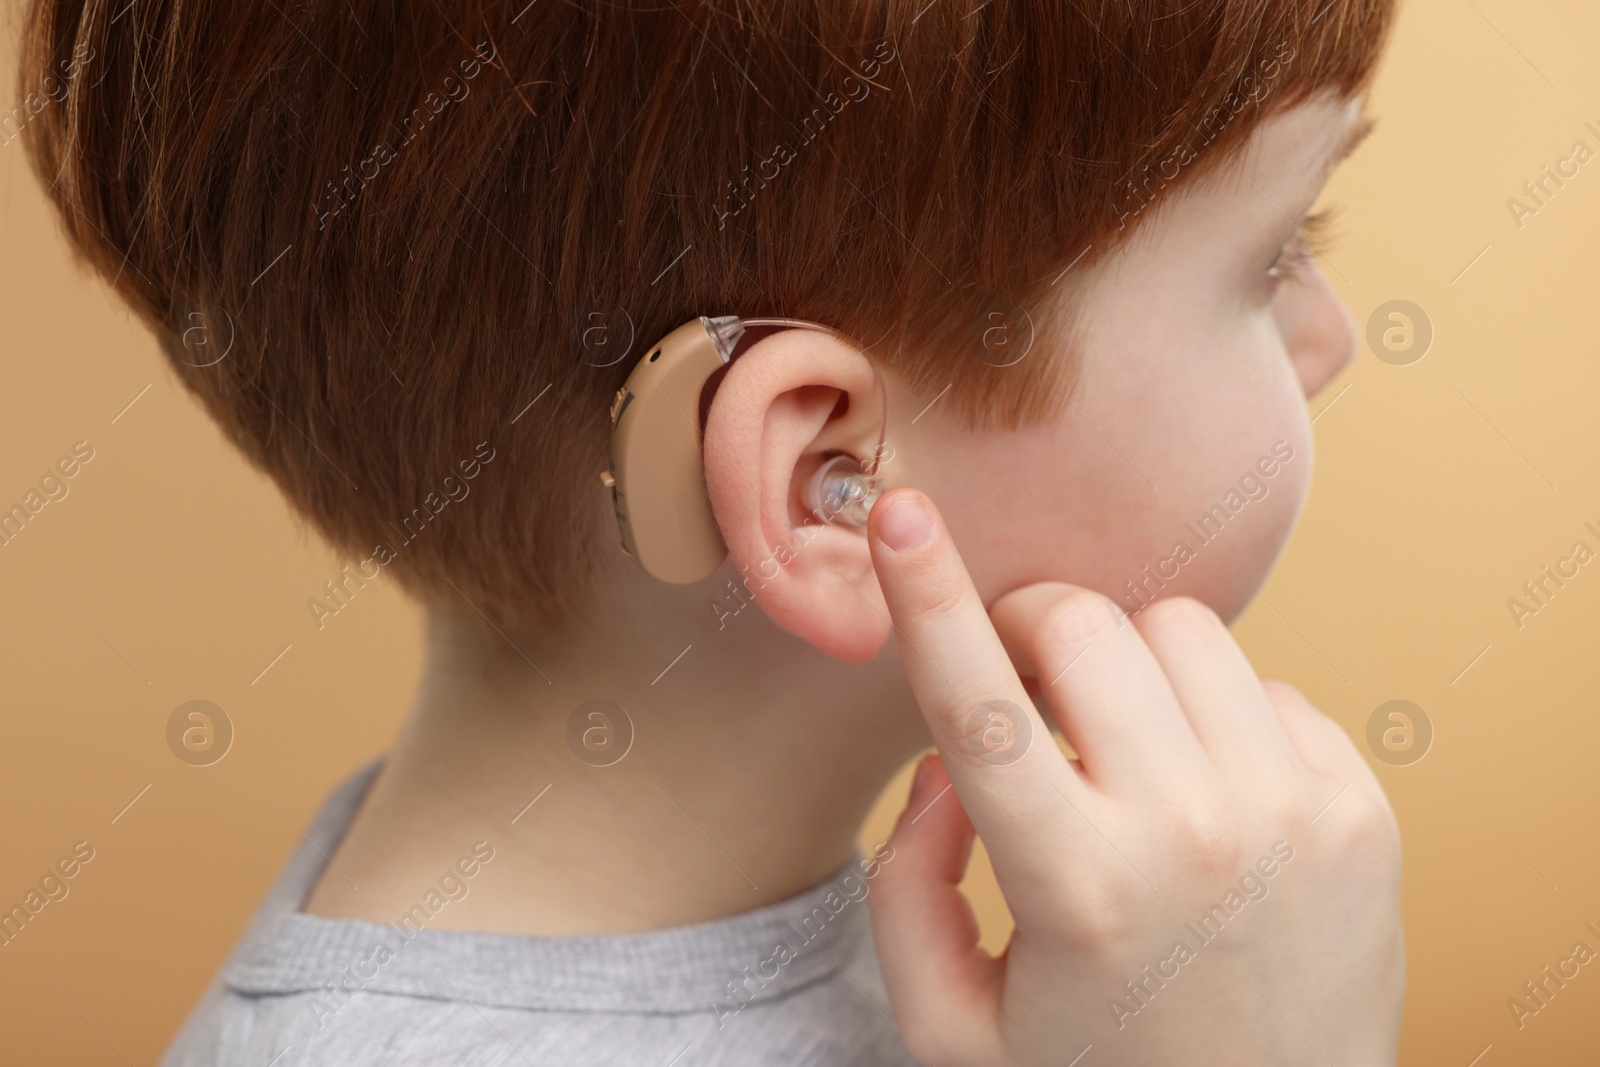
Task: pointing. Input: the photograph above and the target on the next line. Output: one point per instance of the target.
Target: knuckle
(1178, 614)
(939, 603)
(996, 731)
(1211, 844)
(1105, 919)
(1073, 621)
(1367, 832)
(949, 723)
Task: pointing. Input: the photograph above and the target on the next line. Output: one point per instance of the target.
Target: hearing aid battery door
(658, 473)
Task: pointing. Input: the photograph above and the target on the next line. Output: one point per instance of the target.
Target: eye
(1312, 237)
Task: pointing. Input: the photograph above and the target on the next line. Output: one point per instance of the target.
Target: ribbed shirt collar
(756, 955)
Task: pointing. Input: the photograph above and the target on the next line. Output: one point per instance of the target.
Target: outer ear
(775, 417)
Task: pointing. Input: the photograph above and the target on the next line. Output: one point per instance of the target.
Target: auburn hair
(382, 240)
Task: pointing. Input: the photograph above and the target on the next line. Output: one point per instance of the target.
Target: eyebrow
(1351, 140)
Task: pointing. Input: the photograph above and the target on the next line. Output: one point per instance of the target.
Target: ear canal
(841, 492)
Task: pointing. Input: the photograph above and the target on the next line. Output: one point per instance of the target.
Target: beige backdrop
(172, 572)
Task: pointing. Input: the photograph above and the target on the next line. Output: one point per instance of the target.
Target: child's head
(406, 255)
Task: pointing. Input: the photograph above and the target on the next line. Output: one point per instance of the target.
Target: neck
(622, 786)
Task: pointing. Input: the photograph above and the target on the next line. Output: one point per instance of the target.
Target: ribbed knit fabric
(796, 982)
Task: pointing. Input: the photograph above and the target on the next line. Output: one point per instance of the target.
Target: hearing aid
(843, 491)
(657, 473)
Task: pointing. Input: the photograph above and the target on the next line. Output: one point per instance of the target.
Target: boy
(1067, 258)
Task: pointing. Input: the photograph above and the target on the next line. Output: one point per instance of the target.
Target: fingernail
(905, 525)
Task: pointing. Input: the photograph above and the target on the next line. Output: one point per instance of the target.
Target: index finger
(1000, 756)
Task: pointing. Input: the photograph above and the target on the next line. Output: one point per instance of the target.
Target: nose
(1317, 330)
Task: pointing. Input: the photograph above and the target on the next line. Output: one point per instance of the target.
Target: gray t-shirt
(795, 982)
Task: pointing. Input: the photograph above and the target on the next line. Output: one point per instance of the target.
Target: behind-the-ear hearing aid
(657, 473)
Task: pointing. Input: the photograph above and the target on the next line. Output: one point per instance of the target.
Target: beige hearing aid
(657, 474)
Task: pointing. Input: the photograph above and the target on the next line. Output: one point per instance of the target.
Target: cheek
(1134, 490)
(1244, 536)
(1232, 517)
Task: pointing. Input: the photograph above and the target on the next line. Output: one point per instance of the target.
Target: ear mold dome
(842, 492)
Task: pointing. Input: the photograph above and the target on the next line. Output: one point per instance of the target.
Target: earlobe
(775, 420)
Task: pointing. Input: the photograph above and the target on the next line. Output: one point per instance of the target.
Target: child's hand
(1215, 881)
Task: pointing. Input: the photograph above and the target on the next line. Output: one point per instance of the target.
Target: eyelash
(1312, 236)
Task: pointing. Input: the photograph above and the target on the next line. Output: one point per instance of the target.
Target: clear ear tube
(840, 491)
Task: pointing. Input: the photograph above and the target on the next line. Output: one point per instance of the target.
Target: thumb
(944, 988)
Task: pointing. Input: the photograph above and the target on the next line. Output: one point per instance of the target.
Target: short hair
(426, 233)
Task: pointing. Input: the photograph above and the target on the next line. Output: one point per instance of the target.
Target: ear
(790, 399)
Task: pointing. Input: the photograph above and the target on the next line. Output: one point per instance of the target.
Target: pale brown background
(1440, 488)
